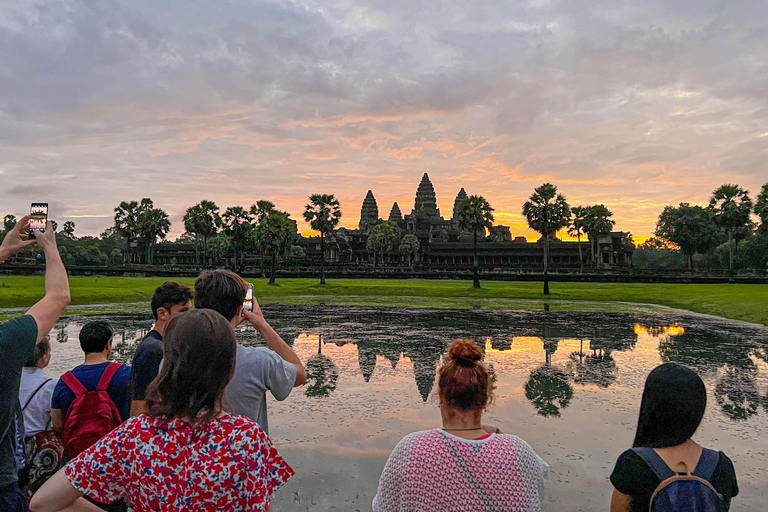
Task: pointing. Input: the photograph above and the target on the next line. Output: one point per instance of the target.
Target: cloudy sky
(628, 103)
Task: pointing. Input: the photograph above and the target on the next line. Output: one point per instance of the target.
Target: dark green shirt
(17, 345)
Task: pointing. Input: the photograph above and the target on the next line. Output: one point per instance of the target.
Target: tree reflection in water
(547, 385)
(736, 392)
(598, 368)
(322, 373)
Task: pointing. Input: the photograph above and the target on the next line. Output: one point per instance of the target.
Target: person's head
(464, 382)
(96, 337)
(672, 407)
(42, 354)
(222, 291)
(199, 358)
(169, 300)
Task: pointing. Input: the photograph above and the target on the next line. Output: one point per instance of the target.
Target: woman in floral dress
(186, 453)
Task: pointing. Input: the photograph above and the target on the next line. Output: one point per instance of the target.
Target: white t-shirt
(258, 369)
(38, 411)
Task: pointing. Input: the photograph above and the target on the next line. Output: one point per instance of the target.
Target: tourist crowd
(185, 426)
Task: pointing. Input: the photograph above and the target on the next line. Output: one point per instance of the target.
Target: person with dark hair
(672, 407)
(276, 368)
(17, 344)
(169, 300)
(186, 453)
(80, 423)
(464, 465)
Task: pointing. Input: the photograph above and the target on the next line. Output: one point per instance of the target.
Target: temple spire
(369, 212)
(460, 197)
(426, 202)
(394, 214)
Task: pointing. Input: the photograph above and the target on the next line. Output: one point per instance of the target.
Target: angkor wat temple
(444, 245)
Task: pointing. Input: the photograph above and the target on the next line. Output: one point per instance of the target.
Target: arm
(49, 309)
(57, 420)
(619, 502)
(58, 495)
(14, 241)
(275, 342)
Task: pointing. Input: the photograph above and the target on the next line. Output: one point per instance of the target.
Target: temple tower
(460, 197)
(426, 201)
(394, 214)
(369, 213)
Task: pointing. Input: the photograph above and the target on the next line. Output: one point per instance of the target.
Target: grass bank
(735, 301)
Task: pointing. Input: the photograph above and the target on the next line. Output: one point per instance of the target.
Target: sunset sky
(632, 104)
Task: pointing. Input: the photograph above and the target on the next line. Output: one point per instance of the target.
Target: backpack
(684, 492)
(92, 414)
(20, 449)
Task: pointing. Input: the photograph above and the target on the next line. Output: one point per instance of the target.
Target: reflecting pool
(569, 383)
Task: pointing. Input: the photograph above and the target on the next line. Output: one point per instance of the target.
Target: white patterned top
(434, 471)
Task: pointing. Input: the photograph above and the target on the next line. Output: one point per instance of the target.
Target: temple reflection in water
(558, 353)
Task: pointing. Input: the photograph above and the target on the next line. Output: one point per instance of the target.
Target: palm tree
(761, 209)
(577, 227)
(409, 246)
(276, 232)
(203, 220)
(259, 211)
(597, 223)
(323, 213)
(152, 223)
(547, 385)
(547, 212)
(732, 207)
(9, 222)
(475, 214)
(69, 229)
(383, 239)
(237, 226)
(127, 223)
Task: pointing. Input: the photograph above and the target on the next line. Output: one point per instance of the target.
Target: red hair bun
(465, 352)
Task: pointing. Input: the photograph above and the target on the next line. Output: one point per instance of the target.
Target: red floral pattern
(168, 465)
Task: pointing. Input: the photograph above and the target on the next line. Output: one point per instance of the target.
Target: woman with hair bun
(464, 465)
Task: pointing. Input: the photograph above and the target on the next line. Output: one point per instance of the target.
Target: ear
(162, 314)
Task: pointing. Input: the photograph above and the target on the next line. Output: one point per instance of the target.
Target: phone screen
(39, 214)
(248, 303)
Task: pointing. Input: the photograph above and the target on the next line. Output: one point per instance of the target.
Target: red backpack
(92, 414)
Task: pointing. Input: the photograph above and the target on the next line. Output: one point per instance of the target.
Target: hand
(256, 317)
(47, 239)
(14, 241)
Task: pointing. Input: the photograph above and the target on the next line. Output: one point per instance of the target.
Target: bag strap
(34, 393)
(73, 384)
(465, 469)
(656, 463)
(106, 377)
(707, 464)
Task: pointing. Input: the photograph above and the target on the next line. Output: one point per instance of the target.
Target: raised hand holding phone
(15, 241)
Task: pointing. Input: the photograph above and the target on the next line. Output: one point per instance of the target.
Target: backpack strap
(73, 384)
(656, 463)
(34, 393)
(707, 464)
(106, 377)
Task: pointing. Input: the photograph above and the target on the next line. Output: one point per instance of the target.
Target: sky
(632, 104)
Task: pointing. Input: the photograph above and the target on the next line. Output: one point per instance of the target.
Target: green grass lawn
(735, 301)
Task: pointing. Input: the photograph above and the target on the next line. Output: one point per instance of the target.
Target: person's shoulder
(725, 464)
(241, 429)
(257, 356)
(25, 324)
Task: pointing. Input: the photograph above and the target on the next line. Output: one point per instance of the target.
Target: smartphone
(39, 214)
(248, 303)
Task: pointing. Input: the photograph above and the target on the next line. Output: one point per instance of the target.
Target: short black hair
(42, 347)
(94, 336)
(220, 290)
(673, 404)
(170, 294)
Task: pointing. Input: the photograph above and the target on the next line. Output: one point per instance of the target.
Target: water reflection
(557, 355)
(322, 374)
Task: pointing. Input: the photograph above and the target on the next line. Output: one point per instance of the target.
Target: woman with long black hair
(672, 407)
(186, 453)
